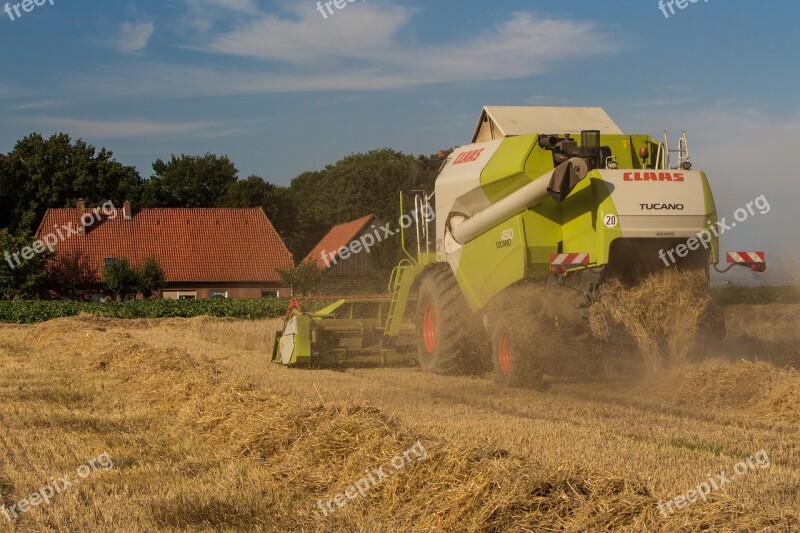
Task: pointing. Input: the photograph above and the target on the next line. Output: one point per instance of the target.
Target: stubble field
(206, 435)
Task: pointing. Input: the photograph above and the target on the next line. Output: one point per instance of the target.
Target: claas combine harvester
(531, 219)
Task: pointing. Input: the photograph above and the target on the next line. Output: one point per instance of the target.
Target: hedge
(32, 311)
(29, 312)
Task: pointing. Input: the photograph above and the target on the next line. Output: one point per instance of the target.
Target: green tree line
(41, 173)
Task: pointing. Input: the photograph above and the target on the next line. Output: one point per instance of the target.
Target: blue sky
(282, 90)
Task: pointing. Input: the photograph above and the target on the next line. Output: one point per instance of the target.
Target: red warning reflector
(757, 261)
(747, 257)
(563, 262)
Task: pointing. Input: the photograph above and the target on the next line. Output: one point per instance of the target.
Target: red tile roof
(337, 237)
(192, 245)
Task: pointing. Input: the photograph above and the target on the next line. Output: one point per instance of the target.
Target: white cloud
(134, 37)
(40, 104)
(523, 46)
(748, 150)
(745, 153)
(115, 129)
(202, 15)
(240, 6)
(362, 31)
(360, 48)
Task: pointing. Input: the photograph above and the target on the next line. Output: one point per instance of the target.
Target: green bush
(32, 311)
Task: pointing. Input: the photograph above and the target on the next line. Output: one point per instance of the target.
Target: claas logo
(468, 157)
(653, 176)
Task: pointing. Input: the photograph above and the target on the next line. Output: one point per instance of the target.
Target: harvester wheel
(532, 328)
(446, 327)
(514, 356)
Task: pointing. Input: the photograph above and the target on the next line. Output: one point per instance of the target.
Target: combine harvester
(530, 220)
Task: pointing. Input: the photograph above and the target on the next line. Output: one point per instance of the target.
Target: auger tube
(556, 184)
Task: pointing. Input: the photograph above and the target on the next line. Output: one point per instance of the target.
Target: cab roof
(497, 122)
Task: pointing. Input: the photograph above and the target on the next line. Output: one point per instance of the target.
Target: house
(205, 253)
(344, 255)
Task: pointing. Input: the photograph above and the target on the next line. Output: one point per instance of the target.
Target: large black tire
(533, 330)
(515, 359)
(449, 334)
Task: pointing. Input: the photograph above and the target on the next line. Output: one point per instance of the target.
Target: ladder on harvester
(400, 283)
(406, 272)
(663, 159)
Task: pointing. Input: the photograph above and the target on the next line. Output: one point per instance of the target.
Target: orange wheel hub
(504, 353)
(429, 327)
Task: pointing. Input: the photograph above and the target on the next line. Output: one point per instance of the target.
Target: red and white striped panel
(569, 260)
(747, 257)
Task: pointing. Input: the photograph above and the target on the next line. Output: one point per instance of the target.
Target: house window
(217, 295)
(270, 294)
(179, 295)
(108, 261)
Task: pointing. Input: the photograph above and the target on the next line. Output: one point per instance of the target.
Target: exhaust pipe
(557, 184)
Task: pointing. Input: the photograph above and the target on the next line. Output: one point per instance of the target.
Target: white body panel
(458, 187)
(658, 203)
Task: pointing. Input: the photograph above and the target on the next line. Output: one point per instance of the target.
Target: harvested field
(206, 435)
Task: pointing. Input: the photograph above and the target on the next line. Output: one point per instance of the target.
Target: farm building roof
(339, 236)
(192, 245)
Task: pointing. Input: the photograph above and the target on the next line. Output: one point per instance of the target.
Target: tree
(39, 174)
(121, 279)
(7, 194)
(303, 278)
(71, 275)
(20, 277)
(355, 186)
(189, 181)
(151, 277)
(250, 192)
(124, 280)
